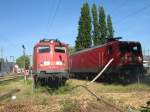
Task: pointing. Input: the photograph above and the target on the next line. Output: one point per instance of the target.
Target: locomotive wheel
(140, 75)
(60, 81)
(64, 81)
(34, 81)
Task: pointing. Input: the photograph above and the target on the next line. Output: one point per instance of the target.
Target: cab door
(110, 52)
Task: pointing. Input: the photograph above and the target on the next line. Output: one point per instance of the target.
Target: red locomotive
(50, 61)
(127, 64)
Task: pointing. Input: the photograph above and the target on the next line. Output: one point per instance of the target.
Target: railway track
(7, 78)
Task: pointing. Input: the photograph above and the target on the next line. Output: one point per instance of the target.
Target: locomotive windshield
(60, 49)
(130, 47)
(43, 49)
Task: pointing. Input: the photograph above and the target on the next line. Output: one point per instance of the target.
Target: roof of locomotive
(106, 44)
(54, 42)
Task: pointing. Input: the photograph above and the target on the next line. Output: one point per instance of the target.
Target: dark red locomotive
(50, 61)
(126, 66)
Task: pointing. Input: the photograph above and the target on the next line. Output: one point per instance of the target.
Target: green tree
(71, 50)
(102, 24)
(23, 62)
(96, 31)
(83, 40)
(110, 30)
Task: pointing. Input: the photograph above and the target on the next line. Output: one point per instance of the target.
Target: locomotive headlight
(139, 59)
(52, 42)
(59, 63)
(46, 63)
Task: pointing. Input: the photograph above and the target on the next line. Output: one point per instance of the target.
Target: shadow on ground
(53, 87)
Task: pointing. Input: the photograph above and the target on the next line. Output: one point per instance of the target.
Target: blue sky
(28, 21)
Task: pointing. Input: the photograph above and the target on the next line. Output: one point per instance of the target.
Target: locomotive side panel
(91, 61)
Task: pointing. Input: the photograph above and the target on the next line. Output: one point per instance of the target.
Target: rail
(7, 78)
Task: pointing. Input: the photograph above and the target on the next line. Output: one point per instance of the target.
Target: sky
(25, 22)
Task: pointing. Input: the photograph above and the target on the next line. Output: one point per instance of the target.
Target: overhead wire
(50, 14)
(50, 23)
(134, 13)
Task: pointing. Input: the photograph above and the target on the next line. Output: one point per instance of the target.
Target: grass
(134, 95)
(115, 87)
(26, 87)
(69, 101)
(122, 88)
(60, 91)
(71, 106)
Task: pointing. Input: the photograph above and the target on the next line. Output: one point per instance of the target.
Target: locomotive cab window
(130, 47)
(43, 49)
(60, 49)
(124, 47)
(136, 48)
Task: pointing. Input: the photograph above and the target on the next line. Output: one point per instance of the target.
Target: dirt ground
(63, 99)
(55, 105)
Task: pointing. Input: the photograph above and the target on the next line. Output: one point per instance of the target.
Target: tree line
(23, 62)
(93, 30)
